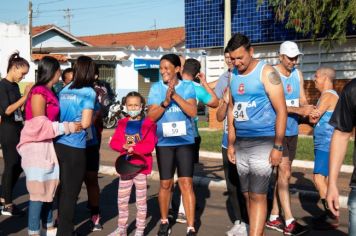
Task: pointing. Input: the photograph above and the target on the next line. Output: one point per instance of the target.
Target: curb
(216, 183)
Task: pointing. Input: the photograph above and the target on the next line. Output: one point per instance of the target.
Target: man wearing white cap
(297, 105)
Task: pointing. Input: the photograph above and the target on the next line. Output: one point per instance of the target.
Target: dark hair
(66, 71)
(47, 68)
(192, 67)
(238, 40)
(226, 50)
(174, 60)
(136, 94)
(16, 60)
(83, 73)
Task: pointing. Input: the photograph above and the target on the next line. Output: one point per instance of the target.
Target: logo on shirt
(241, 89)
(289, 88)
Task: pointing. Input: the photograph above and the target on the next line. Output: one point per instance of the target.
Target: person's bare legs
(164, 197)
(186, 188)
(282, 188)
(257, 213)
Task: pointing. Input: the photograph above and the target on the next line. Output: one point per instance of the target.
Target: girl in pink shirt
(136, 137)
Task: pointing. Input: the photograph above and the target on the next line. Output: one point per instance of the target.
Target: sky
(91, 17)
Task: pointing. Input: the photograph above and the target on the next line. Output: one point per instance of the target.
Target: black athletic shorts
(197, 141)
(93, 157)
(290, 146)
(171, 157)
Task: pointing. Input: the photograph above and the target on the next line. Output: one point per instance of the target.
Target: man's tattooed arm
(274, 78)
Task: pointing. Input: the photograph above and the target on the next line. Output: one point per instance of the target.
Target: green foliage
(325, 19)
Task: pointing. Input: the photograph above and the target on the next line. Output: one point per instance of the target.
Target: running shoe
(164, 229)
(276, 224)
(181, 218)
(191, 233)
(49, 232)
(239, 228)
(95, 221)
(295, 229)
(11, 210)
(327, 221)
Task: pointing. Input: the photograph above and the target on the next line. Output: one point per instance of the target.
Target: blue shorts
(321, 162)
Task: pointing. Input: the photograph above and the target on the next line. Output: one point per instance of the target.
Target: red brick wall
(311, 93)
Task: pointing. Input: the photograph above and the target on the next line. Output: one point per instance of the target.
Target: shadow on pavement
(12, 225)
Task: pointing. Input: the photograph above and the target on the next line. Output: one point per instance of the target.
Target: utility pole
(68, 16)
(227, 24)
(30, 24)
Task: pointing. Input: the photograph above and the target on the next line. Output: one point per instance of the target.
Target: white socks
(273, 217)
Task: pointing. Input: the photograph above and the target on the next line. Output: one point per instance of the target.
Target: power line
(68, 16)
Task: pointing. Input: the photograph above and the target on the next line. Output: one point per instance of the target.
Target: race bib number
(240, 111)
(173, 129)
(89, 134)
(292, 102)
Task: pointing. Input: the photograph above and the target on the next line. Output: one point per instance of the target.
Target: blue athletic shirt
(291, 87)
(72, 102)
(174, 128)
(133, 131)
(254, 115)
(202, 96)
(92, 137)
(322, 130)
(220, 88)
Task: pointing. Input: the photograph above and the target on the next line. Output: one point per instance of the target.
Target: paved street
(211, 212)
(212, 218)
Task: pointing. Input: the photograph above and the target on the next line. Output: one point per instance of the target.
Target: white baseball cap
(290, 49)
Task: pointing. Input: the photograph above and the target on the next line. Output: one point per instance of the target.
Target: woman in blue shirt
(76, 105)
(172, 104)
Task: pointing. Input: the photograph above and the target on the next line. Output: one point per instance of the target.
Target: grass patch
(211, 141)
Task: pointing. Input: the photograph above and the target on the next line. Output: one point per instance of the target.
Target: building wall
(14, 37)
(51, 39)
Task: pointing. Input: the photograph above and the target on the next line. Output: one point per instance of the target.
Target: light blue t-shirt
(291, 87)
(322, 130)
(202, 96)
(220, 89)
(72, 103)
(254, 115)
(174, 128)
(92, 137)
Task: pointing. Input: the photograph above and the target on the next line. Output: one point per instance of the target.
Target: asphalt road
(212, 217)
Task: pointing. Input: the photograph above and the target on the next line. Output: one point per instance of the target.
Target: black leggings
(72, 164)
(10, 133)
(235, 196)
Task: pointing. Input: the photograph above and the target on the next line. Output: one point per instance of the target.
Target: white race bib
(240, 112)
(292, 102)
(173, 129)
(89, 134)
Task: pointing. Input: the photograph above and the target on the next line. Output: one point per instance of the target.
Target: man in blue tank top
(297, 105)
(237, 211)
(344, 122)
(320, 116)
(257, 116)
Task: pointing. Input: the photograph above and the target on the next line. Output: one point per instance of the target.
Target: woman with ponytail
(11, 104)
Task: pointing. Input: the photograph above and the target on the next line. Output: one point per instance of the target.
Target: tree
(325, 19)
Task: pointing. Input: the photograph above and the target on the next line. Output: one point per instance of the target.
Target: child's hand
(130, 150)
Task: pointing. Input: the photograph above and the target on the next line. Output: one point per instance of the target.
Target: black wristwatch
(278, 147)
(162, 105)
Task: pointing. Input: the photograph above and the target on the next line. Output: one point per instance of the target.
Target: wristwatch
(162, 105)
(278, 147)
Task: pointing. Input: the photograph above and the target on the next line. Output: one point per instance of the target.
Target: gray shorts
(252, 162)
